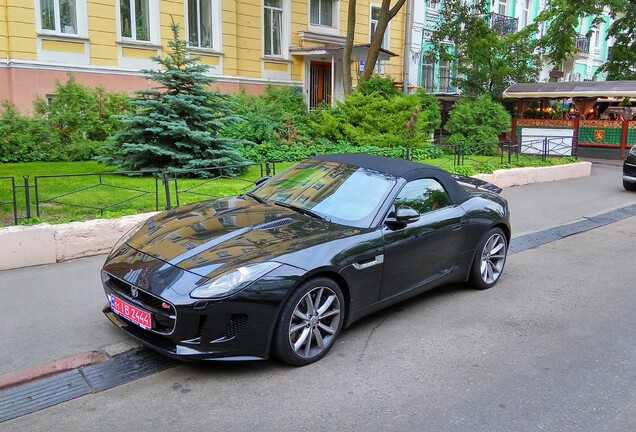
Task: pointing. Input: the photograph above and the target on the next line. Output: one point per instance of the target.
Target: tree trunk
(386, 14)
(346, 52)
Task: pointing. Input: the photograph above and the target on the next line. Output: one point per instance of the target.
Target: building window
(432, 4)
(525, 14)
(597, 39)
(322, 12)
(273, 27)
(202, 21)
(135, 19)
(445, 76)
(375, 15)
(59, 16)
(428, 72)
(503, 7)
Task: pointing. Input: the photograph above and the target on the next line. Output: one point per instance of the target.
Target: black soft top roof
(408, 170)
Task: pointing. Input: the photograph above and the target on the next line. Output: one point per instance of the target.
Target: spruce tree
(176, 125)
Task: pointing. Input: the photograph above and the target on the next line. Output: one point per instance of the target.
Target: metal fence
(8, 197)
(90, 195)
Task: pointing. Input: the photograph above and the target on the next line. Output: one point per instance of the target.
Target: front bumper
(236, 328)
(629, 170)
(169, 348)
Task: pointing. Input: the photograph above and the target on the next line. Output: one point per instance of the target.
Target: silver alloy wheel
(314, 322)
(493, 258)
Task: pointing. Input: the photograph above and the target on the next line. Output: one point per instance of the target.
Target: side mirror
(261, 180)
(403, 216)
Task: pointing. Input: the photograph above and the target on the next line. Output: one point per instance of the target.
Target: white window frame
(502, 8)
(444, 81)
(81, 19)
(428, 72)
(525, 13)
(387, 33)
(217, 22)
(333, 29)
(285, 35)
(153, 24)
(433, 4)
(597, 39)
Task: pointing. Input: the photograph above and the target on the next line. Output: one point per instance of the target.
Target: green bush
(476, 124)
(379, 119)
(378, 86)
(24, 138)
(80, 118)
(296, 151)
(278, 117)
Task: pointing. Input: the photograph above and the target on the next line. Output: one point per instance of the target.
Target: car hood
(211, 237)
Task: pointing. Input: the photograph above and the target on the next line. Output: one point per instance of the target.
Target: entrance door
(319, 84)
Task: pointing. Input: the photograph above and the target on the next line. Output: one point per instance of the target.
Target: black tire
(304, 334)
(490, 259)
(629, 186)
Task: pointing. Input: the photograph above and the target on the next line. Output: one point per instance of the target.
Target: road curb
(15, 378)
(76, 361)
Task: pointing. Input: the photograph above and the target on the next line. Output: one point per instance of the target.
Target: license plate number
(140, 317)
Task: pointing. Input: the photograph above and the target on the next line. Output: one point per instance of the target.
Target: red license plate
(140, 317)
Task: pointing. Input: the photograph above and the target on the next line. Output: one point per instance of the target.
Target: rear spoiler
(479, 184)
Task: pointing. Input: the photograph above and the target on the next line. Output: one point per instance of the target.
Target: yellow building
(247, 43)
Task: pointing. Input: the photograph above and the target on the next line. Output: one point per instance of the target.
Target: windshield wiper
(302, 210)
(256, 197)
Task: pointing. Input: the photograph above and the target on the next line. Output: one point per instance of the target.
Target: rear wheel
(629, 185)
(489, 260)
(309, 323)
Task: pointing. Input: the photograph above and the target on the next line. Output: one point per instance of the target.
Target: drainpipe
(333, 81)
(6, 28)
(408, 42)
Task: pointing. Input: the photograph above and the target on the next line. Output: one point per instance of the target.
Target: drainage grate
(125, 368)
(49, 391)
(46, 392)
(539, 238)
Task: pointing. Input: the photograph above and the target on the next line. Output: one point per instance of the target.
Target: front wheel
(309, 323)
(490, 259)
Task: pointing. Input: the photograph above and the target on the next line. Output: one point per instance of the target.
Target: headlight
(233, 281)
(632, 151)
(128, 235)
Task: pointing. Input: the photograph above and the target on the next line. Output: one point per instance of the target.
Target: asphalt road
(551, 347)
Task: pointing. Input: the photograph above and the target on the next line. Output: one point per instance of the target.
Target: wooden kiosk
(588, 118)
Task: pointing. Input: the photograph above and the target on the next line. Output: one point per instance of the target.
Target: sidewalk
(51, 315)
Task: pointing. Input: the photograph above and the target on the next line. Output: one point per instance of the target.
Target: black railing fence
(90, 195)
(582, 43)
(8, 197)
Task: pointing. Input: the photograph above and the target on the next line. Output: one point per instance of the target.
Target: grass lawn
(72, 191)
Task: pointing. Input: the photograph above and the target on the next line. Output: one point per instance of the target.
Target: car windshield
(337, 192)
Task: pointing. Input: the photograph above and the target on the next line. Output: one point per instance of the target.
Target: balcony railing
(443, 86)
(583, 44)
(503, 24)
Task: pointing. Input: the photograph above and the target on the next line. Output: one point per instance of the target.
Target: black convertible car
(285, 267)
(629, 170)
